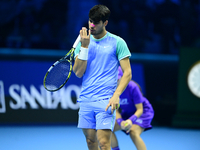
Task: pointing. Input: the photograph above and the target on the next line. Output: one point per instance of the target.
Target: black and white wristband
(83, 53)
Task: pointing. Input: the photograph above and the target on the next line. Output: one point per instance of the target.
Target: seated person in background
(135, 117)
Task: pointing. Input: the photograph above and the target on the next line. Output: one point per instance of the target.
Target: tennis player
(136, 115)
(97, 58)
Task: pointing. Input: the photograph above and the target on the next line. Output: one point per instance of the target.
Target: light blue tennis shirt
(100, 78)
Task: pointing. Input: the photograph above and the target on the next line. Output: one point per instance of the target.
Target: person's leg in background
(114, 141)
(135, 136)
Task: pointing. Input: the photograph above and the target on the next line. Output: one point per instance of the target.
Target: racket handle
(77, 41)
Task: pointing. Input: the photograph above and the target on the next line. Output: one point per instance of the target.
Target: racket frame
(70, 53)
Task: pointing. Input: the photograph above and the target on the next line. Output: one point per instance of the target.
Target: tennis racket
(59, 73)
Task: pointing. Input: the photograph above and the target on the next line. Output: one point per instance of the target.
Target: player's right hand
(85, 37)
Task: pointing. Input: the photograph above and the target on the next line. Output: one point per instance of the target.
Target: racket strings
(58, 75)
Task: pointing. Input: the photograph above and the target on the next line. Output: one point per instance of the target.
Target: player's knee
(90, 142)
(103, 144)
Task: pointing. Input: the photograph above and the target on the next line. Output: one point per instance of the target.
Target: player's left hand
(113, 102)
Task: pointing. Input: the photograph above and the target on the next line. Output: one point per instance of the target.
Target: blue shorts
(92, 115)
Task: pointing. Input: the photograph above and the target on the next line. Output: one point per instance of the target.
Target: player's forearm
(79, 67)
(123, 82)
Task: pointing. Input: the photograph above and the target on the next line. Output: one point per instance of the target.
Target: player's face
(97, 28)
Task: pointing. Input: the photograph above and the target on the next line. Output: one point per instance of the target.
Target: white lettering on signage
(21, 97)
(2, 98)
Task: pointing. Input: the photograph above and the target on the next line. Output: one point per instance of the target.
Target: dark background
(158, 29)
(148, 26)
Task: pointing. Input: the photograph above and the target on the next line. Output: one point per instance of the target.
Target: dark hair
(99, 12)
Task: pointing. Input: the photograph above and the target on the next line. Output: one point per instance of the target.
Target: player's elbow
(129, 74)
(77, 72)
(78, 75)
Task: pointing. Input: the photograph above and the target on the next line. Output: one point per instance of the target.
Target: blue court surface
(69, 137)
